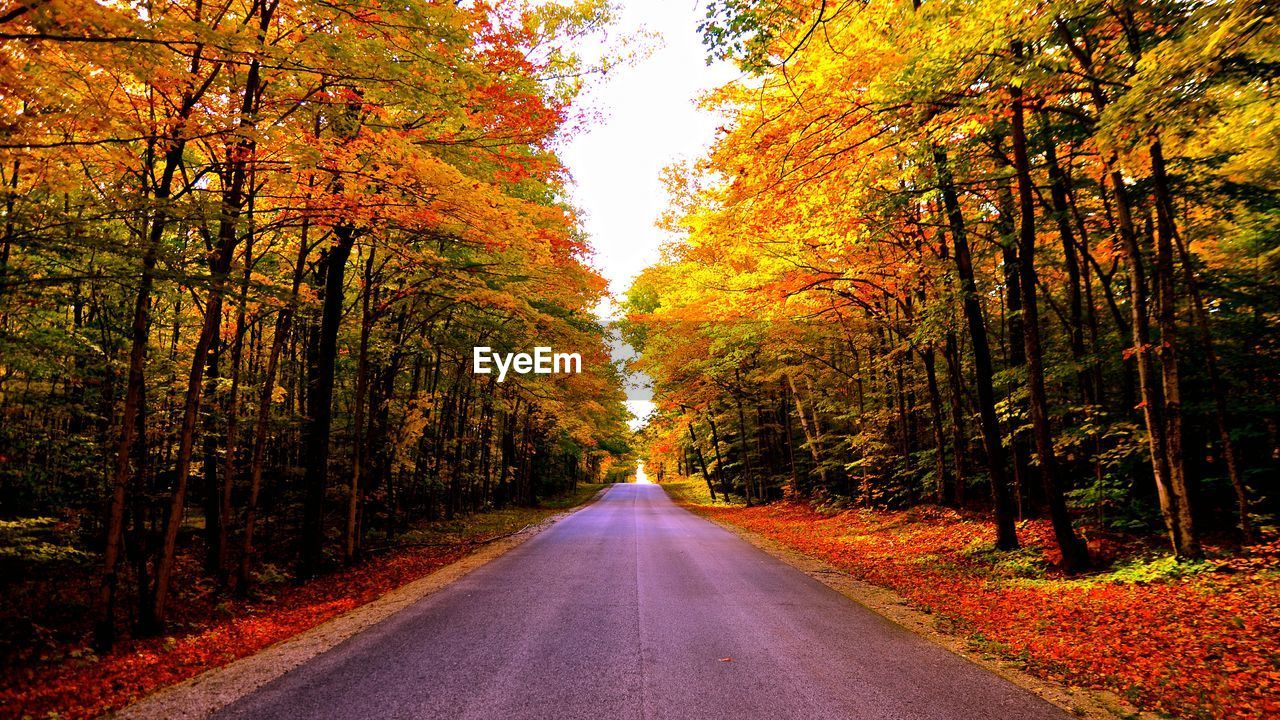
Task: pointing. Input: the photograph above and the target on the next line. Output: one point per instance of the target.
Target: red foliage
(1205, 645)
(94, 686)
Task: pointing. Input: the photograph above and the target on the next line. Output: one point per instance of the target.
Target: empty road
(627, 609)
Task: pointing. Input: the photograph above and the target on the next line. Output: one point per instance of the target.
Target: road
(635, 608)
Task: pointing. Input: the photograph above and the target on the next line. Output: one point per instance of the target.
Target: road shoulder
(1080, 702)
(204, 694)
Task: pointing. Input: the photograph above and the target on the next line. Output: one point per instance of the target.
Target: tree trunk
(320, 372)
(1152, 393)
(959, 438)
(186, 442)
(702, 464)
(350, 549)
(1167, 314)
(1006, 532)
(715, 445)
(211, 440)
(935, 416)
(1071, 261)
(1075, 554)
(221, 562)
(742, 447)
(811, 437)
(1019, 446)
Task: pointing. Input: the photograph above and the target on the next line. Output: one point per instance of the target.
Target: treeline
(248, 246)
(1011, 253)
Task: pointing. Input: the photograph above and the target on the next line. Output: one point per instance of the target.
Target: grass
(693, 492)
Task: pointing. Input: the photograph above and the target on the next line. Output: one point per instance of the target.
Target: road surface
(633, 608)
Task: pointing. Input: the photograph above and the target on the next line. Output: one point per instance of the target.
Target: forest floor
(1190, 640)
(68, 680)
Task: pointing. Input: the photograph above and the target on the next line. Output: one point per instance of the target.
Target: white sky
(647, 118)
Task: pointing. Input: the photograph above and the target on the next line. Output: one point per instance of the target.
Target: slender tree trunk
(104, 634)
(1075, 554)
(788, 436)
(1169, 345)
(1149, 384)
(1071, 261)
(186, 445)
(1006, 532)
(6, 246)
(715, 445)
(1019, 447)
(959, 438)
(935, 417)
(350, 551)
(211, 440)
(222, 562)
(702, 464)
(742, 448)
(811, 437)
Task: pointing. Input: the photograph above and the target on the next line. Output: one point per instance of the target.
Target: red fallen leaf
(726, 659)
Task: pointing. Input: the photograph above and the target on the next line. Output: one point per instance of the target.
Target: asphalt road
(629, 609)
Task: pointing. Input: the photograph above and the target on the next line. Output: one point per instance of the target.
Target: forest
(1013, 257)
(975, 301)
(248, 246)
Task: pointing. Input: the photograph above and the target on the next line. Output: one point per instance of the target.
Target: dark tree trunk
(935, 419)
(1075, 555)
(1006, 532)
(955, 396)
(1019, 445)
(1169, 347)
(1148, 382)
(320, 402)
(350, 544)
(715, 445)
(1071, 261)
(702, 464)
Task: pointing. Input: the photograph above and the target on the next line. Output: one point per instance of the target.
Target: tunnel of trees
(1018, 258)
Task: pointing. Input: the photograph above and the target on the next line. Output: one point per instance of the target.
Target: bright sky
(648, 118)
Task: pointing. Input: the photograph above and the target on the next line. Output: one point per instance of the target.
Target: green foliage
(36, 545)
(744, 30)
(1006, 564)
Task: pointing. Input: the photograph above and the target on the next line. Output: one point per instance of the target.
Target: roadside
(301, 621)
(1197, 641)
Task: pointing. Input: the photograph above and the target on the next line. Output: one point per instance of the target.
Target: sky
(647, 118)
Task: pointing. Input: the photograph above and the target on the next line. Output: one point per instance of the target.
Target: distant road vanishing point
(635, 608)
